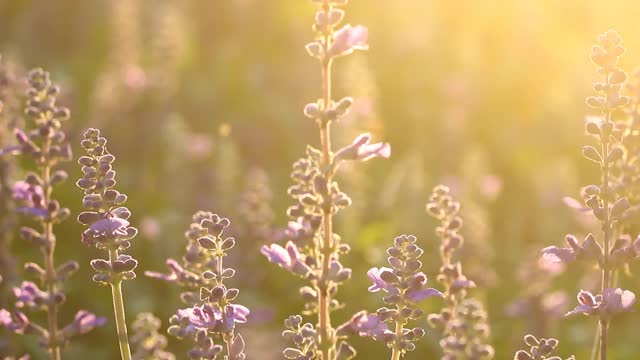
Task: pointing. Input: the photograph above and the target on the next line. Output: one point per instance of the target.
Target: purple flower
(416, 291)
(378, 283)
(31, 196)
(348, 39)
(362, 149)
(83, 322)
(365, 324)
(204, 317)
(294, 228)
(611, 302)
(289, 258)
(109, 227)
(419, 295)
(588, 249)
(207, 317)
(29, 295)
(16, 321)
(618, 300)
(235, 314)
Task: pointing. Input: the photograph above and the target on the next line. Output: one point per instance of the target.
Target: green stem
(118, 308)
(327, 341)
(606, 233)
(396, 352)
(51, 278)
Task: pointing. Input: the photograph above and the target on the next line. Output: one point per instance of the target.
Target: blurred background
(202, 103)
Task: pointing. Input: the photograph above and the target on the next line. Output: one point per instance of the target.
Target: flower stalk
(107, 226)
(46, 145)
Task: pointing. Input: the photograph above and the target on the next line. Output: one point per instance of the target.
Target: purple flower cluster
(211, 317)
(147, 343)
(606, 201)
(404, 286)
(106, 224)
(463, 321)
(46, 145)
(313, 250)
(539, 349)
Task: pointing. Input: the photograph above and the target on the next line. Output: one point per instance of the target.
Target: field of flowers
(319, 179)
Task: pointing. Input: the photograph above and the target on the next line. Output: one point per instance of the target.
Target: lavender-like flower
(404, 286)
(212, 317)
(107, 226)
(606, 201)
(147, 342)
(314, 249)
(463, 321)
(47, 147)
(254, 206)
(540, 349)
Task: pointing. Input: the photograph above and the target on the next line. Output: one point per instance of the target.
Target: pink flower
(288, 259)
(362, 149)
(16, 322)
(348, 39)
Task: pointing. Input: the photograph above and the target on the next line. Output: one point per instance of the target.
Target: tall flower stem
(606, 228)
(118, 308)
(396, 353)
(48, 252)
(324, 298)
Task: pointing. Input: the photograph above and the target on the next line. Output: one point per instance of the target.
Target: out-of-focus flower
(16, 321)
(29, 295)
(135, 78)
(490, 186)
(150, 227)
(348, 39)
(83, 322)
(31, 197)
(199, 146)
